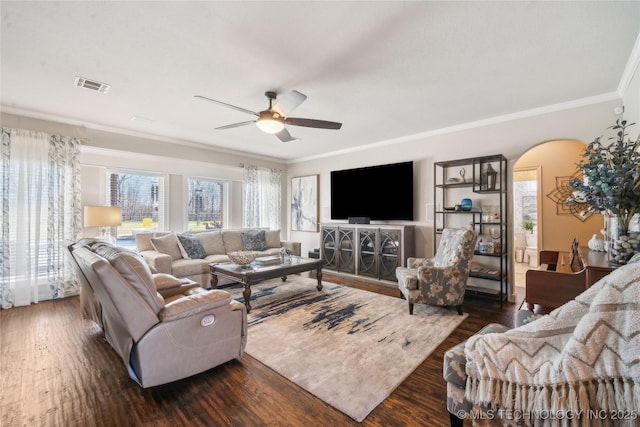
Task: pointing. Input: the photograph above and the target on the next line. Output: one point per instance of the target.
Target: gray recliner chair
(161, 337)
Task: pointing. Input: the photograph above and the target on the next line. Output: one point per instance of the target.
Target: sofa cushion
(254, 240)
(212, 242)
(192, 246)
(134, 270)
(189, 267)
(232, 241)
(217, 258)
(273, 238)
(167, 244)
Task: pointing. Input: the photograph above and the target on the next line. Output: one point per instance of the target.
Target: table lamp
(104, 217)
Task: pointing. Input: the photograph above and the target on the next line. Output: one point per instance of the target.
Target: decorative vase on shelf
(466, 204)
(596, 244)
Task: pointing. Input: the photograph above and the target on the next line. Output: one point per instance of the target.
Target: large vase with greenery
(611, 186)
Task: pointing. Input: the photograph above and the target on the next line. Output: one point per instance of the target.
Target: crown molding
(136, 134)
(612, 96)
(630, 69)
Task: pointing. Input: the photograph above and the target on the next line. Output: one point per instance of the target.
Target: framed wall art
(304, 203)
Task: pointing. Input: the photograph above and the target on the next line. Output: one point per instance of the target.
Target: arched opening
(539, 191)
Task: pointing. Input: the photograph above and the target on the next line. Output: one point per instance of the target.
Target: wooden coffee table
(251, 274)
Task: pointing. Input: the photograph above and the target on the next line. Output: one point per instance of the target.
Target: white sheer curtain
(262, 197)
(40, 199)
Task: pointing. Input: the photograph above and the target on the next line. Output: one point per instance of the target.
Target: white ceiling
(386, 70)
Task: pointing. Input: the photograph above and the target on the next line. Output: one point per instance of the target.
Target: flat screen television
(383, 192)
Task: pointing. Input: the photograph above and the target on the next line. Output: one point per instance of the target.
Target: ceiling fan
(273, 119)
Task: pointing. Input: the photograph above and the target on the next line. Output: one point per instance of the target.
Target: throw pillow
(254, 241)
(164, 281)
(184, 253)
(192, 246)
(167, 244)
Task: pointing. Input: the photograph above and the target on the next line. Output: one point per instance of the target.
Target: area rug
(349, 347)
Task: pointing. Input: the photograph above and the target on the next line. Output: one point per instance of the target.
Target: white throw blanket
(582, 360)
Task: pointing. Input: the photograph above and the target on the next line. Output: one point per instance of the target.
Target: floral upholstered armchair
(440, 280)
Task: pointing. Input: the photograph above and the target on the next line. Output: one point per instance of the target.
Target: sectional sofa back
(217, 242)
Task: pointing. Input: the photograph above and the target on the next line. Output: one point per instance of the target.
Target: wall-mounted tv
(382, 193)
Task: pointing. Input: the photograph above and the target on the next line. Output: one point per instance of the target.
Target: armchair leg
(455, 421)
(459, 308)
(410, 308)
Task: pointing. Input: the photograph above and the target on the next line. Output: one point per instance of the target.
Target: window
(140, 196)
(205, 204)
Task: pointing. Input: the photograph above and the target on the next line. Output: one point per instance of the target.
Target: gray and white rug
(349, 347)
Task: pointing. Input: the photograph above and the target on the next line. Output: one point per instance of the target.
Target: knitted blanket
(577, 366)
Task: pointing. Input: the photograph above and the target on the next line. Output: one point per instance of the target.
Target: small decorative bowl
(242, 257)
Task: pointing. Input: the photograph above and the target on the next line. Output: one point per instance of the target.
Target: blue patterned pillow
(192, 246)
(254, 241)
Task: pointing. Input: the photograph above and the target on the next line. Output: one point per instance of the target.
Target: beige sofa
(164, 329)
(169, 252)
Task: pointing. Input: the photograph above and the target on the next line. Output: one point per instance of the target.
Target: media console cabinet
(366, 250)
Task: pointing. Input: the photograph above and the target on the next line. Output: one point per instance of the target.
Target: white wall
(510, 138)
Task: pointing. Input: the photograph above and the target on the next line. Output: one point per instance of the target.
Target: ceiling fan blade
(224, 104)
(235, 125)
(289, 102)
(285, 136)
(311, 123)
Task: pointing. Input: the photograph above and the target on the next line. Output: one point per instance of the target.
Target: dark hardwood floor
(57, 370)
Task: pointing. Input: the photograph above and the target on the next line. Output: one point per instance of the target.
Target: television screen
(383, 192)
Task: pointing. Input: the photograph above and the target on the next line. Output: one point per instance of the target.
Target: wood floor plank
(57, 370)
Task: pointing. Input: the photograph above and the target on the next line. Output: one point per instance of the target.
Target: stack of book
(268, 260)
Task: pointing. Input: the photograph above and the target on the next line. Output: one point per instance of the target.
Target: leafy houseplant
(611, 177)
(528, 225)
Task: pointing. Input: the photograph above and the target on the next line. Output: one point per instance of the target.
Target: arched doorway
(540, 178)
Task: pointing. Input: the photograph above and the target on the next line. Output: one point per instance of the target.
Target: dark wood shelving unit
(488, 179)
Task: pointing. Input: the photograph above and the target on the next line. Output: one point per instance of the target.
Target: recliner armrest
(169, 292)
(196, 302)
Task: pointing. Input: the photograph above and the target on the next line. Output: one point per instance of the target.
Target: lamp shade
(102, 216)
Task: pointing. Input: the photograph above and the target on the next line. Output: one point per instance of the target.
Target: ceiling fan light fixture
(270, 122)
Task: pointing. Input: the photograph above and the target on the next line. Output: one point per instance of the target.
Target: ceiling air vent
(91, 84)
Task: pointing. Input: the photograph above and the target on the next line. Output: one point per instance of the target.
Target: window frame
(224, 201)
(161, 194)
